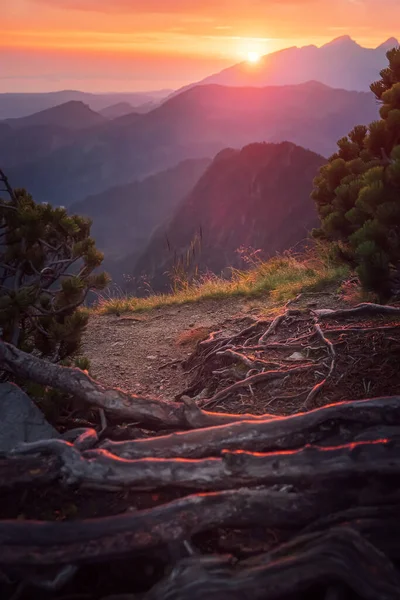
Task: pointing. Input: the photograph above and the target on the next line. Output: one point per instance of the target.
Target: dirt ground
(134, 352)
(141, 353)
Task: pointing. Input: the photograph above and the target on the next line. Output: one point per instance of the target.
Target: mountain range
(40, 134)
(342, 63)
(198, 122)
(21, 105)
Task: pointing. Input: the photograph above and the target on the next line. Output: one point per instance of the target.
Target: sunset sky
(129, 45)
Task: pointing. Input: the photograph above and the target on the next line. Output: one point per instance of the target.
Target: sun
(253, 57)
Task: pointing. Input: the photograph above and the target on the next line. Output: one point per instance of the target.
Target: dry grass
(352, 292)
(280, 278)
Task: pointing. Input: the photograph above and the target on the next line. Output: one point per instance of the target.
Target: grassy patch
(280, 278)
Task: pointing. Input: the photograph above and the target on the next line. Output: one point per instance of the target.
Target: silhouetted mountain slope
(40, 134)
(124, 217)
(70, 115)
(255, 197)
(199, 122)
(117, 110)
(29, 143)
(21, 105)
(341, 63)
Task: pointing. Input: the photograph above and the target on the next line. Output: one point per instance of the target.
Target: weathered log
(310, 465)
(150, 412)
(339, 555)
(344, 420)
(97, 540)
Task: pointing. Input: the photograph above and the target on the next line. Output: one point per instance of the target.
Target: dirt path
(128, 351)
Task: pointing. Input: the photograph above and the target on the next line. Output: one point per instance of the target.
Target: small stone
(151, 357)
(297, 356)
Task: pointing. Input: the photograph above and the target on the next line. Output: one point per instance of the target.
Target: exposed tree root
(47, 543)
(340, 555)
(149, 412)
(253, 380)
(212, 364)
(329, 476)
(319, 386)
(340, 422)
(233, 469)
(361, 310)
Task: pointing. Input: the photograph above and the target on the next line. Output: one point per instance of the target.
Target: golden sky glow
(127, 45)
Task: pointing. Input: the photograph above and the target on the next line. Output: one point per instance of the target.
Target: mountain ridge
(257, 196)
(124, 217)
(340, 63)
(16, 105)
(73, 114)
(199, 122)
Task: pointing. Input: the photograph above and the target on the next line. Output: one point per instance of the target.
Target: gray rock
(20, 419)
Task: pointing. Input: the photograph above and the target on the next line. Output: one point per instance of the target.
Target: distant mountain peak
(389, 44)
(73, 114)
(343, 40)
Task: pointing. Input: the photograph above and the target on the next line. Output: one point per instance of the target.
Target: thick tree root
(49, 543)
(149, 412)
(157, 414)
(324, 482)
(340, 555)
(233, 469)
(337, 423)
